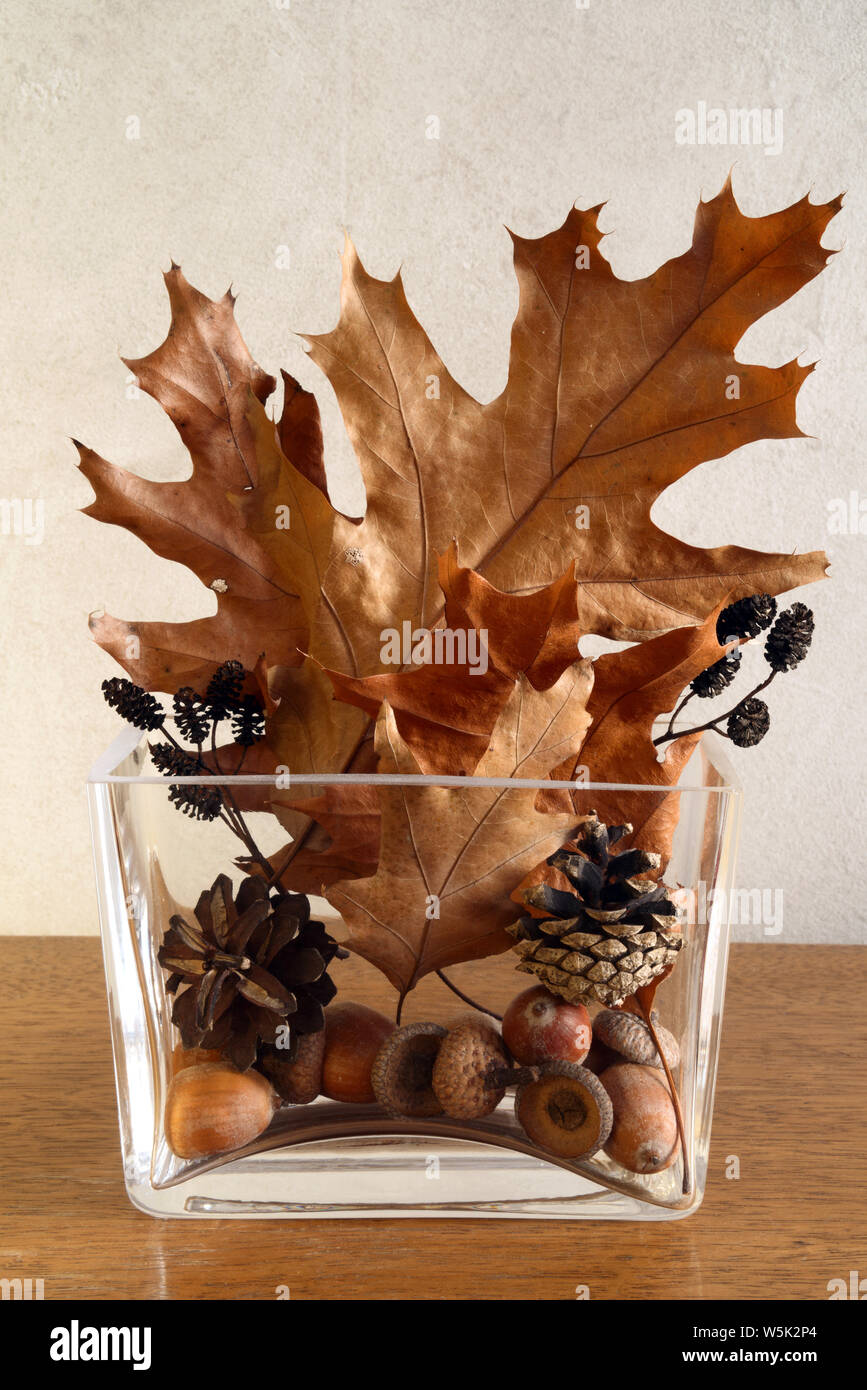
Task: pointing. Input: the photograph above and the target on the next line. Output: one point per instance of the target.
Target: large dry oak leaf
(616, 389)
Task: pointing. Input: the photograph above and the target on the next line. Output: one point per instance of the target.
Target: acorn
(353, 1036)
(465, 1076)
(599, 1057)
(402, 1074)
(644, 1137)
(296, 1074)
(183, 1057)
(213, 1108)
(566, 1111)
(629, 1036)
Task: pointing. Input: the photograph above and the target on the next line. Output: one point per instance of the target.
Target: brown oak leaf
(631, 689)
(202, 376)
(446, 711)
(449, 857)
(616, 389)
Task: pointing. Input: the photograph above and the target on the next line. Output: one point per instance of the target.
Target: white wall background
(266, 124)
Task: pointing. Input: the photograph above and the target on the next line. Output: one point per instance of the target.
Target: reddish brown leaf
(300, 432)
(449, 857)
(446, 713)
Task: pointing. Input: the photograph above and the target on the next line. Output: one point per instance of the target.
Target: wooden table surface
(790, 1107)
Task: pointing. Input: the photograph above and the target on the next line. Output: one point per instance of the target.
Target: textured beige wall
(263, 125)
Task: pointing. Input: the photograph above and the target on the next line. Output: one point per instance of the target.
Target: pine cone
(746, 618)
(790, 637)
(714, 679)
(250, 966)
(616, 932)
(748, 724)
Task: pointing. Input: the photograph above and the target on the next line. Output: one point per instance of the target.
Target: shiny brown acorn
(184, 1057)
(212, 1109)
(353, 1036)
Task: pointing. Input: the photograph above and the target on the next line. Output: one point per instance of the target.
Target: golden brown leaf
(449, 857)
(203, 376)
(446, 712)
(616, 389)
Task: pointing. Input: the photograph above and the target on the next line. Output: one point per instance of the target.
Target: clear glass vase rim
(128, 740)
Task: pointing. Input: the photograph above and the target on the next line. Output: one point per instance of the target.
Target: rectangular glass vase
(337, 1159)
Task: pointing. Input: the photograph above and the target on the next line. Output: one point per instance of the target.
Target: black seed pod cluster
(223, 692)
(192, 715)
(786, 645)
(197, 800)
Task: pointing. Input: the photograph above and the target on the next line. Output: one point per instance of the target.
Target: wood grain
(790, 1107)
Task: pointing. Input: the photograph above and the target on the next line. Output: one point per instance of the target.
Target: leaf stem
(675, 1098)
(466, 998)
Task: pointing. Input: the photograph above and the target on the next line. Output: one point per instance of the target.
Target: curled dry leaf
(203, 376)
(343, 843)
(604, 420)
(596, 413)
(630, 690)
(448, 860)
(446, 712)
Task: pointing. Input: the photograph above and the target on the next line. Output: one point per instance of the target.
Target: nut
(296, 1074)
(644, 1138)
(183, 1057)
(468, 1055)
(213, 1108)
(629, 1035)
(353, 1036)
(402, 1073)
(566, 1111)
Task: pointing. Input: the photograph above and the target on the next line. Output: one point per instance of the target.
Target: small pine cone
(714, 680)
(191, 715)
(790, 637)
(172, 761)
(133, 703)
(223, 691)
(746, 618)
(248, 721)
(748, 724)
(200, 802)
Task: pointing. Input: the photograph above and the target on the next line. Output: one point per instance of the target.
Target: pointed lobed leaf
(203, 376)
(615, 390)
(450, 857)
(446, 712)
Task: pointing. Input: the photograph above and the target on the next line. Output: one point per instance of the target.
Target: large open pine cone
(247, 966)
(613, 934)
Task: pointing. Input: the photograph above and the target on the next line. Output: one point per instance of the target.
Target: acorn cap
(566, 1111)
(468, 1055)
(403, 1069)
(629, 1035)
(297, 1075)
